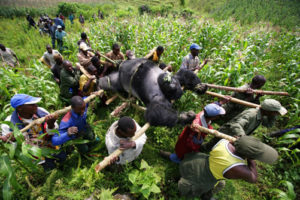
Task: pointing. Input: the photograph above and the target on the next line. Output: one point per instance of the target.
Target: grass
(237, 53)
(276, 13)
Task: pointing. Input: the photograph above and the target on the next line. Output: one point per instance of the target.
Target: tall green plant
(284, 195)
(144, 181)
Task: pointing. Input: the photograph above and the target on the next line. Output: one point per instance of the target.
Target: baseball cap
(273, 105)
(252, 148)
(213, 110)
(83, 46)
(59, 26)
(21, 99)
(195, 46)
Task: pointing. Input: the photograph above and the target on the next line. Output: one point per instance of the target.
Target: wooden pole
(110, 60)
(201, 66)
(232, 99)
(83, 70)
(235, 100)
(108, 101)
(244, 90)
(124, 105)
(102, 55)
(60, 112)
(150, 53)
(198, 128)
(119, 109)
(107, 160)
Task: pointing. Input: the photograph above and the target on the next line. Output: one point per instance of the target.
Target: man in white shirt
(191, 61)
(48, 57)
(118, 136)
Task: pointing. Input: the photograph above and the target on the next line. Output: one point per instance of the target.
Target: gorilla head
(170, 86)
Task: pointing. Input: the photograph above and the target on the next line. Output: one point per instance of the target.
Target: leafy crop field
(236, 54)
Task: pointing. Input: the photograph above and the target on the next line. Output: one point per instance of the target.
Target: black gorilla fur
(145, 80)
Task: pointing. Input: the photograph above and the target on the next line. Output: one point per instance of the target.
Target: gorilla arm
(160, 113)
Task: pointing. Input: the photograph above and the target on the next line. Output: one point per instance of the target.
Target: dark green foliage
(67, 8)
(11, 12)
(182, 2)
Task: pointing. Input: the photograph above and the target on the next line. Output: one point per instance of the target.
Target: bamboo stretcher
(244, 90)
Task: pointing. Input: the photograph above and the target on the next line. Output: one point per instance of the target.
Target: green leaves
(285, 195)
(144, 180)
(10, 181)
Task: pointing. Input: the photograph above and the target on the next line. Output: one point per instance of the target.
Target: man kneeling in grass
(74, 125)
(119, 135)
(201, 172)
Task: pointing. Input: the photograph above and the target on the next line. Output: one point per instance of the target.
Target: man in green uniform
(200, 172)
(233, 109)
(69, 82)
(249, 120)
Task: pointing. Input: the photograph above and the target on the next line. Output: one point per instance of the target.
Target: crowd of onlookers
(55, 27)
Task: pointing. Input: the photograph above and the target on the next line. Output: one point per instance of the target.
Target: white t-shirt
(50, 57)
(112, 142)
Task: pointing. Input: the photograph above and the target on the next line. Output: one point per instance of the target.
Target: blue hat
(213, 110)
(21, 99)
(195, 46)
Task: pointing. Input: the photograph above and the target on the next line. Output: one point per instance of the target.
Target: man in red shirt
(189, 140)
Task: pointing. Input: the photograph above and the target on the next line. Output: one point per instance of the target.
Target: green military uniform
(248, 121)
(233, 109)
(243, 124)
(69, 82)
(196, 177)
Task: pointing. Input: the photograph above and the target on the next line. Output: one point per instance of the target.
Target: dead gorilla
(145, 80)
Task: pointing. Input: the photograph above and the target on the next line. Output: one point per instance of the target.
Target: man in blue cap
(26, 111)
(191, 61)
(189, 140)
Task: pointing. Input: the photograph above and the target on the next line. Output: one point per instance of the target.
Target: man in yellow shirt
(200, 172)
(156, 54)
(87, 84)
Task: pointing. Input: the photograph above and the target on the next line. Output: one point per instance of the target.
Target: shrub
(67, 8)
(144, 9)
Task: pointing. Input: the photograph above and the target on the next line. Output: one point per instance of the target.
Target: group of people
(55, 28)
(202, 163)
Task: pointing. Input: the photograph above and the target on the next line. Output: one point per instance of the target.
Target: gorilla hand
(186, 117)
(200, 88)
